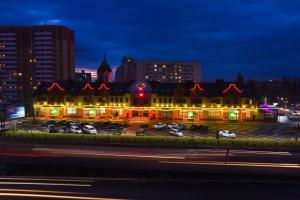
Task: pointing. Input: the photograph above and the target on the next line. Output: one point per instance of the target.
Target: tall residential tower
(31, 55)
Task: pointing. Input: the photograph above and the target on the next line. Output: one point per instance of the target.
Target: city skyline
(255, 39)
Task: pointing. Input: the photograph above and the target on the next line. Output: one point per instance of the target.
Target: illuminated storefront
(143, 100)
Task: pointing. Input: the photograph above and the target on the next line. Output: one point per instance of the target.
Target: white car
(227, 134)
(159, 125)
(75, 129)
(89, 129)
(176, 132)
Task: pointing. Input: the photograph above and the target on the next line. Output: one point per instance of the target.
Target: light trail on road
(240, 164)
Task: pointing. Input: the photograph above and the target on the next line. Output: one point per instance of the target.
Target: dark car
(64, 129)
(199, 128)
(145, 126)
(49, 122)
(52, 128)
(81, 125)
(61, 123)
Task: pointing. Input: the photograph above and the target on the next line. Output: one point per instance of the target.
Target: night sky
(260, 39)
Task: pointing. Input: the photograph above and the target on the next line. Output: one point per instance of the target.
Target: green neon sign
(54, 111)
(92, 112)
(231, 115)
(190, 114)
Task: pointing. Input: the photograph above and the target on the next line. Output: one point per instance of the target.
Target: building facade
(144, 101)
(30, 56)
(161, 71)
(83, 76)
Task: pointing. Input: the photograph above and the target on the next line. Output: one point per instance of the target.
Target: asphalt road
(37, 171)
(160, 159)
(23, 188)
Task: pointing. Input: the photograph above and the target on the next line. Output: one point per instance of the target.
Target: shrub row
(155, 141)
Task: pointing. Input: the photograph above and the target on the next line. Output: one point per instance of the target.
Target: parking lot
(283, 129)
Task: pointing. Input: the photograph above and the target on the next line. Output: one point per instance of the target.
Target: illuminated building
(83, 76)
(31, 55)
(157, 70)
(143, 100)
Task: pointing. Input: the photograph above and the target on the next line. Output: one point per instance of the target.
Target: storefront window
(71, 111)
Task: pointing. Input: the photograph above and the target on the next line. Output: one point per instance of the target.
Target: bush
(155, 141)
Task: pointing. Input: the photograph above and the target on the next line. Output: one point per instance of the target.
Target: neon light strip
(198, 87)
(230, 86)
(88, 85)
(55, 84)
(103, 86)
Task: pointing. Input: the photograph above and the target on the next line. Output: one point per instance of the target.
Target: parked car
(176, 132)
(159, 125)
(89, 129)
(75, 129)
(140, 132)
(81, 125)
(61, 122)
(227, 134)
(173, 125)
(64, 129)
(74, 123)
(145, 126)
(49, 122)
(199, 128)
(52, 128)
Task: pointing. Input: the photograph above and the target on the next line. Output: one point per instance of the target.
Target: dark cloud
(258, 38)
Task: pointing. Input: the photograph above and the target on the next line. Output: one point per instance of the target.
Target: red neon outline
(87, 85)
(103, 86)
(55, 84)
(197, 86)
(230, 86)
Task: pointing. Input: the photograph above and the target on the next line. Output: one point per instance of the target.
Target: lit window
(71, 111)
(146, 77)
(164, 66)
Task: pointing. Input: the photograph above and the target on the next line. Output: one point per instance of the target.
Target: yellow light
(252, 106)
(219, 106)
(244, 106)
(45, 103)
(167, 105)
(119, 104)
(97, 104)
(185, 105)
(203, 106)
(157, 105)
(68, 103)
(79, 104)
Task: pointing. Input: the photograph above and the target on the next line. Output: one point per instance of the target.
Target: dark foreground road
(126, 188)
(37, 171)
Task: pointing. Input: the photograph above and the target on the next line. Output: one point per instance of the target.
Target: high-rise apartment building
(83, 76)
(31, 55)
(155, 70)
